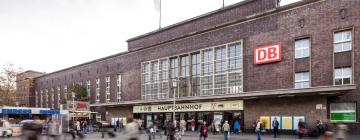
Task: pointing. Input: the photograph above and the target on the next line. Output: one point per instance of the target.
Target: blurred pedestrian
(132, 130)
(203, 131)
(226, 129)
(258, 129)
(275, 125)
(105, 126)
(341, 131)
(171, 130)
(193, 123)
(236, 126)
(183, 127)
(301, 128)
(51, 130)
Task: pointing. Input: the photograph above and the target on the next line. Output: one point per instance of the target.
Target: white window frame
(302, 80)
(299, 47)
(58, 96)
(107, 88)
(41, 98)
(342, 41)
(36, 98)
(88, 88)
(342, 76)
(118, 88)
(97, 91)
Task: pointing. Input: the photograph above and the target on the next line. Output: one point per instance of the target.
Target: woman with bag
(203, 131)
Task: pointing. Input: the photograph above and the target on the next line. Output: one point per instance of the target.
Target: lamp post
(73, 104)
(174, 84)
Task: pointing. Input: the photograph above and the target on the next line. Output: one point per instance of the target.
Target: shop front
(210, 112)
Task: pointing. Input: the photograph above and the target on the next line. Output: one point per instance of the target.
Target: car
(5, 129)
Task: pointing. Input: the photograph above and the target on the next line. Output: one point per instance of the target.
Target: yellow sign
(190, 107)
(266, 121)
(286, 122)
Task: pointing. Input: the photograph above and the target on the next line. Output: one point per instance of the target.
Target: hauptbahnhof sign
(190, 107)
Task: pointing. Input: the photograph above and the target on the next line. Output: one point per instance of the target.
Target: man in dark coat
(275, 125)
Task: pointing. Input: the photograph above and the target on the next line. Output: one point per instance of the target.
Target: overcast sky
(49, 35)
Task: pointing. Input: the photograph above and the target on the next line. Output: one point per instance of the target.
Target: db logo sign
(267, 54)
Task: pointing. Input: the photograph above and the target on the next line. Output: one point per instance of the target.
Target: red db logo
(267, 53)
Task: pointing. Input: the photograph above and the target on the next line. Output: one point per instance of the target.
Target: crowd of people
(173, 129)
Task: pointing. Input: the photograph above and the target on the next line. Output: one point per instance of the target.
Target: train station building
(247, 61)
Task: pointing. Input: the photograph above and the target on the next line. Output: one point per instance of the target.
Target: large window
(343, 76)
(220, 70)
(118, 88)
(343, 112)
(52, 98)
(36, 99)
(302, 80)
(211, 71)
(174, 76)
(88, 88)
(184, 76)
(97, 91)
(235, 74)
(302, 48)
(58, 96)
(207, 72)
(163, 79)
(342, 41)
(155, 80)
(41, 98)
(107, 88)
(46, 98)
(195, 74)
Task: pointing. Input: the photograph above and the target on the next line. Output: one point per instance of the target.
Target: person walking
(193, 123)
(258, 129)
(51, 129)
(301, 128)
(275, 125)
(117, 125)
(183, 127)
(236, 127)
(132, 130)
(203, 131)
(341, 131)
(226, 129)
(171, 130)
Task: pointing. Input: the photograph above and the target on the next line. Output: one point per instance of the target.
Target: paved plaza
(189, 136)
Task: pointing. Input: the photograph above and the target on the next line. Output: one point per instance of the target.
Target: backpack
(261, 127)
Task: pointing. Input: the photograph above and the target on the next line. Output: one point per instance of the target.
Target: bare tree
(8, 74)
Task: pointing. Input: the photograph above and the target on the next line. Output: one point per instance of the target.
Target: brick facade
(256, 23)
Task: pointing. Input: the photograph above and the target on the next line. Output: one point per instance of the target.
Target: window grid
(46, 98)
(97, 91)
(58, 96)
(342, 41)
(118, 88)
(88, 88)
(107, 88)
(302, 48)
(52, 96)
(36, 99)
(302, 80)
(343, 76)
(216, 70)
(41, 98)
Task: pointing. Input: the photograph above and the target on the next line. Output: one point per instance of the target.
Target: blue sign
(49, 112)
(16, 111)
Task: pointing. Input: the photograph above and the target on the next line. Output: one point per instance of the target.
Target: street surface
(188, 136)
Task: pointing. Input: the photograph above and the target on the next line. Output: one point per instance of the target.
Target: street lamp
(174, 84)
(73, 104)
